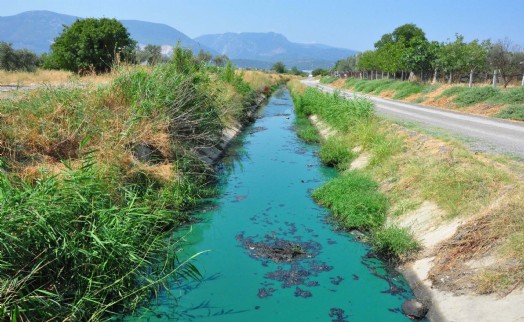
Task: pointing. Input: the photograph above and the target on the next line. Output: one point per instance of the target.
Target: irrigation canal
(272, 254)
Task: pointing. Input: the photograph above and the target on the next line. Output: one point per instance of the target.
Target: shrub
(327, 80)
(90, 45)
(511, 96)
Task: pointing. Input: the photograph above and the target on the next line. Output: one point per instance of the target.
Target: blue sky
(341, 23)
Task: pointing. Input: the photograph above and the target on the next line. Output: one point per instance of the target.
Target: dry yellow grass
(485, 193)
(262, 81)
(51, 77)
(41, 76)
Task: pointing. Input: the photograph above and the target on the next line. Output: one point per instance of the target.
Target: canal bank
(463, 208)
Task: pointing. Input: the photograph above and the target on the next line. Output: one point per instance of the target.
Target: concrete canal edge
(212, 155)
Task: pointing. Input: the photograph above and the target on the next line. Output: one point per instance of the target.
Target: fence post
(495, 78)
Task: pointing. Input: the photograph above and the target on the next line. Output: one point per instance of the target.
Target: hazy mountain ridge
(272, 47)
(36, 31)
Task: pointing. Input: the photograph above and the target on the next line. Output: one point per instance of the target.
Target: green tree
(295, 71)
(220, 60)
(7, 56)
(203, 57)
(404, 34)
(348, 64)
(151, 54)
(319, 72)
(20, 59)
(506, 58)
(279, 67)
(475, 58)
(404, 48)
(91, 44)
(417, 55)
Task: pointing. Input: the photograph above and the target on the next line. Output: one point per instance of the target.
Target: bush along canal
(271, 253)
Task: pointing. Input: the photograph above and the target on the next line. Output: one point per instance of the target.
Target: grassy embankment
(85, 220)
(484, 100)
(408, 169)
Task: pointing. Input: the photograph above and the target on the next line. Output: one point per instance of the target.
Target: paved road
(481, 133)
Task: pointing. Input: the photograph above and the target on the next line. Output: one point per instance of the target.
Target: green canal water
(265, 199)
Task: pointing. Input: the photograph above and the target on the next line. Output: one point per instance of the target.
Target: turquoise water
(266, 198)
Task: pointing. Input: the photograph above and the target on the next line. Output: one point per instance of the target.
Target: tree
(506, 58)
(404, 34)
(404, 48)
(295, 71)
(203, 57)
(7, 56)
(319, 72)
(279, 67)
(416, 56)
(475, 58)
(451, 57)
(150, 54)
(220, 60)
(91, 44)
(20, 59)
(346, 65)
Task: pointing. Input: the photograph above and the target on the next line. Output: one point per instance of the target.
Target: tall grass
(354, 200)
(73, 247)
(305, 130)
(353, 197)
(338, 112)
(335, 152)
(84, 222)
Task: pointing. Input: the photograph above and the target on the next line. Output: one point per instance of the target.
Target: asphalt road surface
(480, 133)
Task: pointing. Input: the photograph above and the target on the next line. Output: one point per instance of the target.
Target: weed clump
(334, 152)
(305, 130)
(355, 201)
(393, 242)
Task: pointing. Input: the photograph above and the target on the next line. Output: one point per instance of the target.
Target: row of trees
(17, 59)
(407, 53)
(92, 45)
(152, 55)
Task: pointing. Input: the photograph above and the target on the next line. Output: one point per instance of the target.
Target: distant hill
(36, 30)
(271, 47)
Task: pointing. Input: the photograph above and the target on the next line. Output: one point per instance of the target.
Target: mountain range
(271, 47)
(36, 30)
